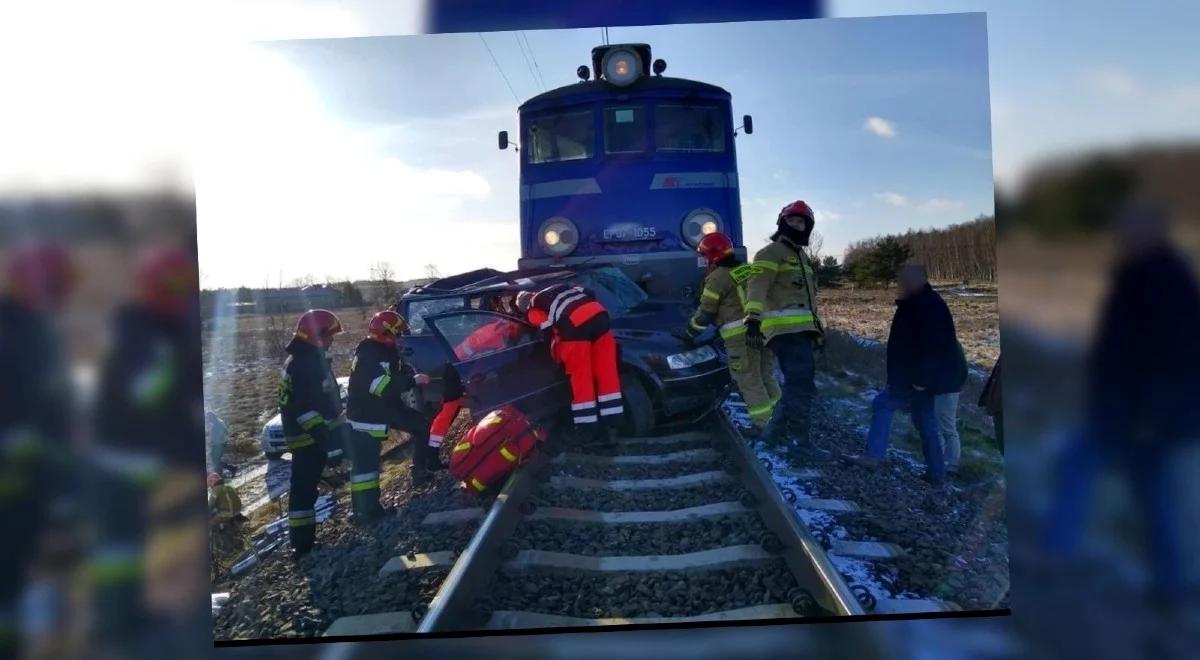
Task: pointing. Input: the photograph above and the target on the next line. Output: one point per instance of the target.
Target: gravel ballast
(590, 595)
(668, 499)
(635, 471)
(639, 539)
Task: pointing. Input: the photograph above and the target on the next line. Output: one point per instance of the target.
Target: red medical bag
(495, 447)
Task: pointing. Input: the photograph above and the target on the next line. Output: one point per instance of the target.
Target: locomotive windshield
(555, 138)
(689, 129)
(624, 130)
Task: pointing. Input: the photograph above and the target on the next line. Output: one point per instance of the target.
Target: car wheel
(639, 410)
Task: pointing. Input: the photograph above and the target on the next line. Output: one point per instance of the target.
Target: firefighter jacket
(35, 410)
(378, 379)
(149, 401)
(309, 402)
(722, 302)
(572, 312)
(782, 291)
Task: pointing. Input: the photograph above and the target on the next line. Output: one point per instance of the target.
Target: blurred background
(1096, 143)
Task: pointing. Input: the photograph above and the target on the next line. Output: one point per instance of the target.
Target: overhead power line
(529, 47)
(525, 56)
(498, 67)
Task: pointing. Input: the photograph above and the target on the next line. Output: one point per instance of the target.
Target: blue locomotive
(628, 168)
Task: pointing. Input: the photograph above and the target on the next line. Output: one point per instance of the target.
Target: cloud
(940, 204)
(827, 215)
(880, 126)
(1114, 81)
(892, 199)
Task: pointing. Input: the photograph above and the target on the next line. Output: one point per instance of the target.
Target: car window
(689, 129)
(475, 335)
(418, 310)
(567, 136)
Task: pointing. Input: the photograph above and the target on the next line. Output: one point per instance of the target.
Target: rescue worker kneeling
(310, 407)
(583, 343)
(722, 303)
(378, 379)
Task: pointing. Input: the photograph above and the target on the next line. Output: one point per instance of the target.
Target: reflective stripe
(508, 454)
(477, 484)
(300, 441)
(766, 265)
(695, 326)
(734, 329)
(561, 301)
(608, 397)
(309, 419)
(760, 411)
(364, 485)
(436, 440)
(612, 411)
(710, 295)
(753, 306)
(301, 522)
(302, 518)
(334, 454)
(787, 317)
(367, 426)
(365, 476)
(583, 406)
(586, 419)
(462, 446)
(380, 382)
(302, 513)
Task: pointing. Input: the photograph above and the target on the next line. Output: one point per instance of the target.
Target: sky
(131, 94)
(341, 153)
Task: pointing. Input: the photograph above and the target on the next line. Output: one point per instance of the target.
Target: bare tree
(816, 245)
(432, 272)
(382, 273)
(303, 281)
(275, 325)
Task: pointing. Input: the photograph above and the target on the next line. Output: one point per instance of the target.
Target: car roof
(489, 280)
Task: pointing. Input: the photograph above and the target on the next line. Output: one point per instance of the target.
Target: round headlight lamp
(558, 236)
(621, 66)
(698, 224)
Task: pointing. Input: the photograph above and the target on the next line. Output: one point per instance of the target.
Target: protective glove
(684, 337)
(754, 336)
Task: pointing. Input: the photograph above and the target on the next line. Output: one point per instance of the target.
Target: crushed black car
(660, 378)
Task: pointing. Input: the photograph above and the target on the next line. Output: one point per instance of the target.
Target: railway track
(681, 527)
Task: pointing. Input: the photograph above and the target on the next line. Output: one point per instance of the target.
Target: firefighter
(722, 303)
(583, 343)
(310, 407)
(34, 412)
(781, 313)
(149, 426)
(378, 380)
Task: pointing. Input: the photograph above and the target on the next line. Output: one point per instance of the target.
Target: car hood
(650, 322)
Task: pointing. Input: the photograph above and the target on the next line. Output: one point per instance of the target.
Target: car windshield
(568, 136)
(613, 288)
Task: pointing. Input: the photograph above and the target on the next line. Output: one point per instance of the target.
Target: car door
(517, 369)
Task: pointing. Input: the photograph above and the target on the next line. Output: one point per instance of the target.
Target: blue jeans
(795, 354)
(920, 405)
(1146, 468)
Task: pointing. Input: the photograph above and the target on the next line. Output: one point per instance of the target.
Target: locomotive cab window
(689, 129)
(554, 138)
(624, 130)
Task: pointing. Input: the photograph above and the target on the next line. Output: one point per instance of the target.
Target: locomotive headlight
(621, 66)
(698, 224)
(558, 236)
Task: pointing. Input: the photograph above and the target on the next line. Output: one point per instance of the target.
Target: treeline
(957, 253)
